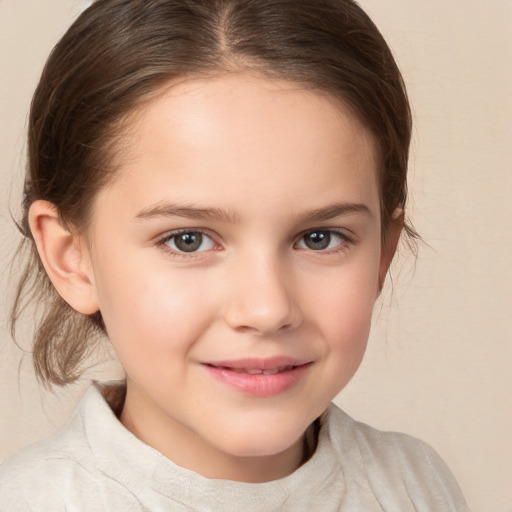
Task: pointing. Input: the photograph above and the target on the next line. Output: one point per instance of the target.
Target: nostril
(260, 329)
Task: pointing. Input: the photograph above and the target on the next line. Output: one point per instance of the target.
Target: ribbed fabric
(95, 464)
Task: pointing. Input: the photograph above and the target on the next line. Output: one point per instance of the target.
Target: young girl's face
(236, 259)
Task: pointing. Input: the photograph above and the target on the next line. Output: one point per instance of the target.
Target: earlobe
(390, 243)
(64, 257)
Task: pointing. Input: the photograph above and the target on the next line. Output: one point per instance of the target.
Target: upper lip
(254, 363)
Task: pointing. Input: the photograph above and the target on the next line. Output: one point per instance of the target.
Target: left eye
(190, 241)
(321, 240)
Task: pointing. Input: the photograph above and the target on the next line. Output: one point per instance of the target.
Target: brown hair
(119, 52)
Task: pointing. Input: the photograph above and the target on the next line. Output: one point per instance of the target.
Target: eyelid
(175, 232)
(344, 232)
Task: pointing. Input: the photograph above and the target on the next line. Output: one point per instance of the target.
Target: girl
(219, 187)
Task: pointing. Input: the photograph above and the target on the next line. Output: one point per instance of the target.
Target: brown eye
(320, 240)
(190, 241)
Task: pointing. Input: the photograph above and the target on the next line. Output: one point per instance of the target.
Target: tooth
(254, 371)
(271, 372)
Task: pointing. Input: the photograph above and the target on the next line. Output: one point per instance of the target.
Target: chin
(265, 441)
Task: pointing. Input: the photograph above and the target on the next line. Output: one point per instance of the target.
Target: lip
(259, 377)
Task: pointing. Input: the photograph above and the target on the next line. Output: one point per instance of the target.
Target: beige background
(439, 361)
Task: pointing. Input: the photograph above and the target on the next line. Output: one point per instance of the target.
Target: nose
(262, 298)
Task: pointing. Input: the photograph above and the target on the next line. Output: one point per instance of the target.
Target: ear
(390, 243)
(64, 256)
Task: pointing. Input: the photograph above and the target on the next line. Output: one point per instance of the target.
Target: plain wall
(439, 360)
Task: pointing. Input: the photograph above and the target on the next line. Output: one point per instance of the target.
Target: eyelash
(162, 243)
(345, 242)
(342, 246)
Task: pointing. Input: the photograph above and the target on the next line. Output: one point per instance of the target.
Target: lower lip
(259, 385)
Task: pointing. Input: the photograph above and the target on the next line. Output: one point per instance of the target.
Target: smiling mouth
(259, 377)
(257, 371)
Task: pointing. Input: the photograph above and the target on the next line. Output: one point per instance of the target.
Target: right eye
(188, 242)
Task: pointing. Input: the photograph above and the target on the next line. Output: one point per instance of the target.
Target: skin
(245, 161)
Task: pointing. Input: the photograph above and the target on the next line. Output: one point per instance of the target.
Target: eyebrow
(336, 210)
(185, 211)
(192, 212)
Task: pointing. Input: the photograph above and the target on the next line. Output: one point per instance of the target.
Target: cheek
(153, 312)
(346, 295)
(346, 331)
(344, 307)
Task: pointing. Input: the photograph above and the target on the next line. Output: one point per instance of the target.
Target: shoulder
(40, 473)
(60, 472)
(384, 447)
(387, 445)
(393, 460)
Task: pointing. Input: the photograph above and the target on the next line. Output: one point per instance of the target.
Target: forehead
(223, 100)
(242, 136)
